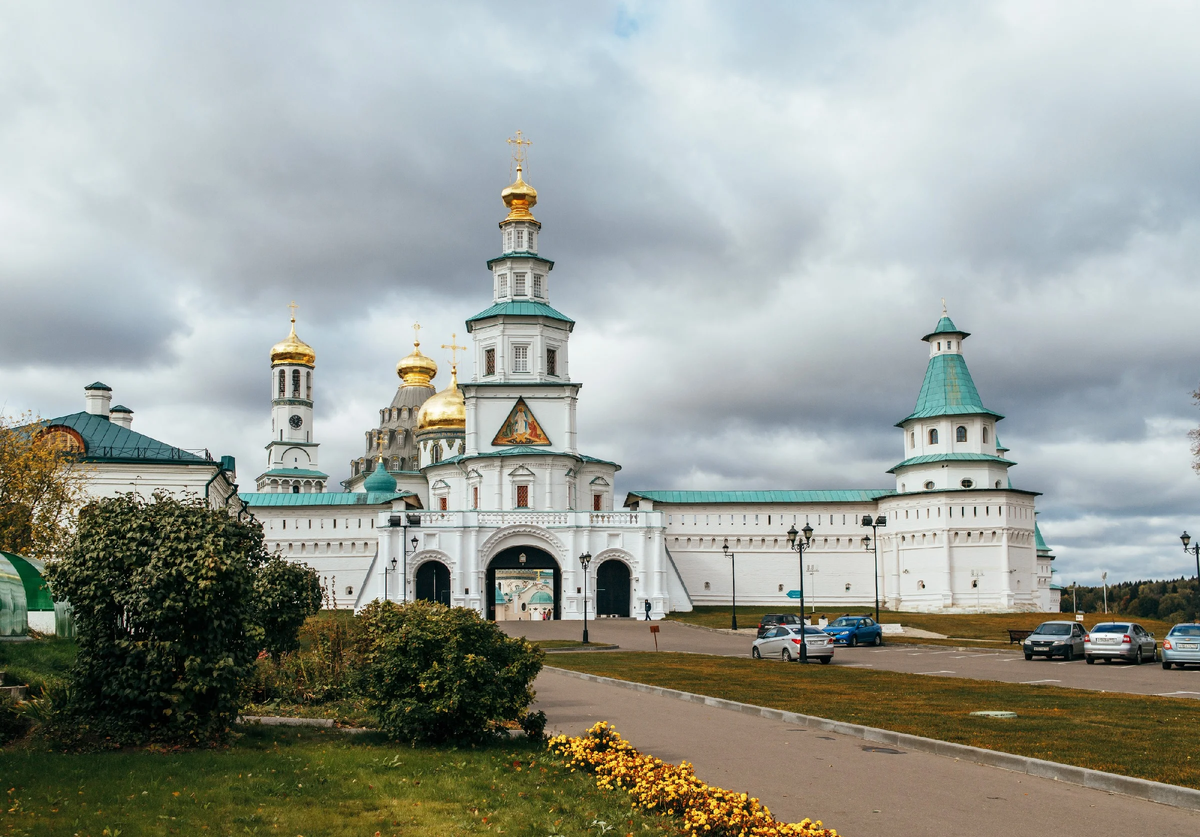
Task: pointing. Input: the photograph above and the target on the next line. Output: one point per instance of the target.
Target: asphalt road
(843, 781)
(1009, 666)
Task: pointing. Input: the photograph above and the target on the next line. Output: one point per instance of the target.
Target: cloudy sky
(754, 210)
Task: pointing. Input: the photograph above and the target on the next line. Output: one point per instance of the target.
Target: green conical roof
(379, 481)
(946, 326)
(1039, 540)
(948, 390)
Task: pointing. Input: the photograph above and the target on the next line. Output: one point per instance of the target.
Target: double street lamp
(584, 560)
(733, 572)
(867, 543)
(799, 545)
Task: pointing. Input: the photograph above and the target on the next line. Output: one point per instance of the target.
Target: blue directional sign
(793, 594)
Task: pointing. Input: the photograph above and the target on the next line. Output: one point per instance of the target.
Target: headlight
(1060, 642)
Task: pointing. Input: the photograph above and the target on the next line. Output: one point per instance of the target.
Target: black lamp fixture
(799, 545)
(1192, 550)
(584, 561)
(733, 572)
(867, 542)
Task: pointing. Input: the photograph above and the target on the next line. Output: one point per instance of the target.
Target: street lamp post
(733, 572)
(393, 572)
(584, 560)
(1193, 550)
(1104, 581)
(868, 542)
(799, 545)
(403, 521)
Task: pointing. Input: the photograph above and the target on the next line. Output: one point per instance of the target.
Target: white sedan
(784, 641)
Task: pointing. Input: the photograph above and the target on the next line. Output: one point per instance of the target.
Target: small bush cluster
(434, 673)
(322, 668)
(674, 789)
(13, 723)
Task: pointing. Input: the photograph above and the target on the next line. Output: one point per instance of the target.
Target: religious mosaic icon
(521, 428)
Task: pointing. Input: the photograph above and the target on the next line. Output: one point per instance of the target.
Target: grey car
(1181, 646)
(784, 641)
(1119, 641)
(1055, 639)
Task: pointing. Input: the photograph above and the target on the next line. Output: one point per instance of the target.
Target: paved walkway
(799, 773)
(1005, 665)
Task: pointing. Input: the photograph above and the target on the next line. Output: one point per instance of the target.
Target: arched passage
(514, 585)
(612, 588)
(433, 582)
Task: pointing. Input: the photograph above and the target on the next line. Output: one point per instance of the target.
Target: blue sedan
(855, 630)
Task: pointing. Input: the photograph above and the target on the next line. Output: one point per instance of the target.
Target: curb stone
(1174, 795)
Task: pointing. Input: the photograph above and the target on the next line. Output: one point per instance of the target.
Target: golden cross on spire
(293, 306)
(416, 327)
(519, 144)
(944, 306)
(454, 349)
(379, 439)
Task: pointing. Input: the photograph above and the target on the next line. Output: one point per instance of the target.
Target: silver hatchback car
(1119, 641)
(1181, 646)
(784, 641)
(1054, 639)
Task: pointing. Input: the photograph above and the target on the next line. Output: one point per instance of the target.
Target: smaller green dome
(380, 481)
(541, 597)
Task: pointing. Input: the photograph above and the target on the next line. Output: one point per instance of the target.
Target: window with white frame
(502, 284)
(537, 285)
(508, 246)
(519, 284)
(520, 358)
(532, 240)
(489, 361)
(552, 362)
(520, 240)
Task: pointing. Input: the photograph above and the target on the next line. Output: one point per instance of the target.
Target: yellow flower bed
(675, 790)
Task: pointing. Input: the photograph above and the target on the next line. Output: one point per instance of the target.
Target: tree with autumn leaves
(41, 489)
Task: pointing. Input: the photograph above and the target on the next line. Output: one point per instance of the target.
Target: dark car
(855, 630)
(770, 620)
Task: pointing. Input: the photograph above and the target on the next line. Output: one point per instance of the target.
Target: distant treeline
(1177, 600)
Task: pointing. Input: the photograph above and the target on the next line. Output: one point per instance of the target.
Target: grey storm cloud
(754, 211)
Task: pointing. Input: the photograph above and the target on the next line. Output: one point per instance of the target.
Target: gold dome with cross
(519, 196)
(416, 370)
(292, 349)
(446, 411)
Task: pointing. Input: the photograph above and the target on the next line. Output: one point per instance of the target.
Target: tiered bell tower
(292, 451)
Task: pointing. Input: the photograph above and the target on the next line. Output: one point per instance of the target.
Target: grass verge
(37, 663)
(1147, 737)
(290, 782)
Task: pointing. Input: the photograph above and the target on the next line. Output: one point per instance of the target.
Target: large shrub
(162, 592)
(285, 594)
(435, 673)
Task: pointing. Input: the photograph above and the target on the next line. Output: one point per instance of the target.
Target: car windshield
(1185, 630)
(1110, 628)
(843, 622)
(1053, 629)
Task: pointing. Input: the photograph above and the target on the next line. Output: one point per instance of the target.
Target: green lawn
(1149, 737)
(37, 662)
(306, 782)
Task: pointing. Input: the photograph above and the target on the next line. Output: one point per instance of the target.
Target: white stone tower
(292, 451)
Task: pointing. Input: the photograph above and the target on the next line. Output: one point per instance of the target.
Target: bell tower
(292, 451)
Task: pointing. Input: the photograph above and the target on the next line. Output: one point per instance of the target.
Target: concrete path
(1008, 666)
(799, 773)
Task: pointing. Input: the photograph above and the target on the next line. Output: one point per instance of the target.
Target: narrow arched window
(435, 452)
(960, 435)
(912, 438)
(985, 435)
(308, 385)
(282, 383)
(933, 440)
(295, 383)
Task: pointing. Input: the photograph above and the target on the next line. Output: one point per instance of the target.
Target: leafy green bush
(434, 673)
(162, 592)
(286, 594)
(12, 723)
(321, 669)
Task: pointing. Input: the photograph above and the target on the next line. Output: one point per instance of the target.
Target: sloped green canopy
(37, 592)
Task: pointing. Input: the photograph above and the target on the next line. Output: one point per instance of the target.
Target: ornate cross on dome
(293, 306)
(519, 144)
(416, 327)
(944, 307)
(454, 347)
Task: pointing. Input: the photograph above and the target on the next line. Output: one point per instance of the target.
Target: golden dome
(519, 197)
(446, 410)
(416, 370)
(293, 350)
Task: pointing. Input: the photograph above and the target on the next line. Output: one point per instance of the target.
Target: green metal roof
(945, 326)
(1039, 541)
(345, 498)
(98, 385)
(108, 442)
(37, 592)
(293, 472)
(541, 597)
(500, 597)
(519, 254)
(948, 391)
(523, 450)
(514, 308)
(949, 457)
(839, 496)
(379, 481)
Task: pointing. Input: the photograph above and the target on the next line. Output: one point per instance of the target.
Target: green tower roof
(946, 326)
(515, 308)
(948, 390)
(380, 481)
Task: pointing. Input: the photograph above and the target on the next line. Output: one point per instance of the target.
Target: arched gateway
(519, 580)
(612, 588)
(433, 582)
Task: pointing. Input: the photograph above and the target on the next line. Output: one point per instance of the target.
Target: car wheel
(786, 655)
(1091, 661)
(853, 641)
(755, 653)
(878, 640)
(826, 660)
(1137, 656)
(1070, 655)
(1166, 666)
(1028, 656)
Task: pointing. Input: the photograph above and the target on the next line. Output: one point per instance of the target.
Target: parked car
(770, 620)
(1053, 639)
(1181, 646)
(784, 641)
(1119, 641)
(855, 630)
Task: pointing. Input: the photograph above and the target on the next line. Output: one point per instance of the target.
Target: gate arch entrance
(612, 588)
(519, 589)
(433, 582)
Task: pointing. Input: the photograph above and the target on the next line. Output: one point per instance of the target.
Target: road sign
(793, 594)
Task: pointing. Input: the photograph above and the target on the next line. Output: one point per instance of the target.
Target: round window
(968, 483)
(929, 485)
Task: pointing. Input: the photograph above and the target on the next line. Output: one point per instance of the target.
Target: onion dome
(293, 350)
(380, 481)
(541, 597)
(416, 370)
(445, 411)
(519, 197)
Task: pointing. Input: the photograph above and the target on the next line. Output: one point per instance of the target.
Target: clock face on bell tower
(295, 421)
